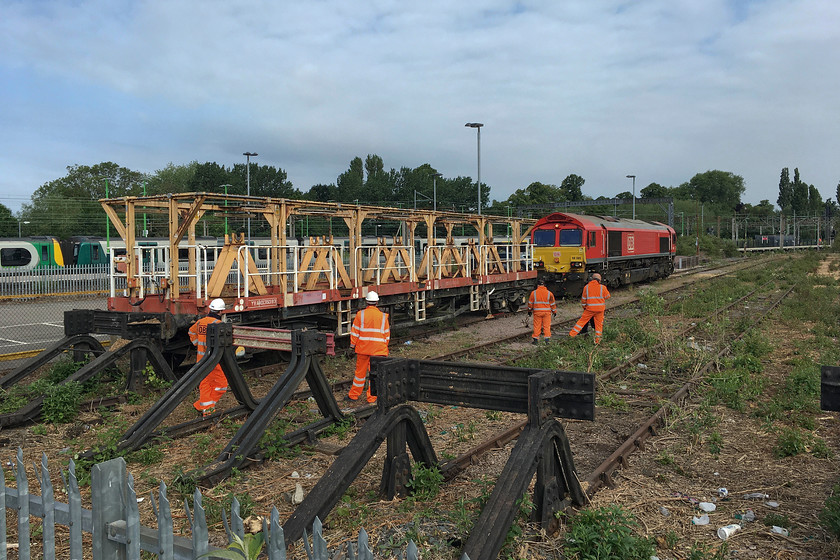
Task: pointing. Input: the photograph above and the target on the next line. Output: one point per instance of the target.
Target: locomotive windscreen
(571, 238)
(544, 238)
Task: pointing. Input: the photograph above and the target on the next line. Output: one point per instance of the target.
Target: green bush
(62, 369)
(710, 246)
(791, 441)
(606, 533)
(425, 482)
(61, 402)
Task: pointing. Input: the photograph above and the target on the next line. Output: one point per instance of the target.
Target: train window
(45, 253)
(571, 237)
(544, 238)
(592, 239)
(262, 254)
(14, 257)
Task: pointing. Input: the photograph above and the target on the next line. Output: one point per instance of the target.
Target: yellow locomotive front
(560, 256)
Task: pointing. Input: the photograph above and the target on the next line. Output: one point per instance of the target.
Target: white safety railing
(373, 261)
(295, 273)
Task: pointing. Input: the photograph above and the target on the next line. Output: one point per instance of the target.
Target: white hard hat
(217, 304)
(372, 297)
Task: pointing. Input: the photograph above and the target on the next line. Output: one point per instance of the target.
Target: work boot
(535, 341)
(208, 412)
(547, 340)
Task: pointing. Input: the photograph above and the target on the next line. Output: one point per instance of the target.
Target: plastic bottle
(779, 530)
(726, 531)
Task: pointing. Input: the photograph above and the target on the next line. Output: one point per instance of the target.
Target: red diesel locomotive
(569, 247)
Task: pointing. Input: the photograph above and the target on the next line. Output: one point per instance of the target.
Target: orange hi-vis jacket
(594, 296)
(371, 332)
(542, 300)
(198, 334)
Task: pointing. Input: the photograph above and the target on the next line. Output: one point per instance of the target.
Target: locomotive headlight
(557, 259)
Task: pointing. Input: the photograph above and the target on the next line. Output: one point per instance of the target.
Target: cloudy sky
(661, 89)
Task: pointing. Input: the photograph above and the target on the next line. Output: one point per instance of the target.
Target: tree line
(68, 206)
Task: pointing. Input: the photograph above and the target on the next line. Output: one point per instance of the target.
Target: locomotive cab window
(592, 239)
(571, 237)
(544, 238)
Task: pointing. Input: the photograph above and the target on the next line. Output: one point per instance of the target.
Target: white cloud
(661, 89)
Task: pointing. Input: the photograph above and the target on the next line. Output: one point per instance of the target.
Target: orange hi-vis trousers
(542, 323)
(598, 316)
(211, 389)
(362, 369)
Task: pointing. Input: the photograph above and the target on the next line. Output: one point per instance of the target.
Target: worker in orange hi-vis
(593, 299)
(542, 305)
(369, 336)
(214, 384)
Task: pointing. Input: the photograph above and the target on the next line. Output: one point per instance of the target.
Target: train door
(665, 244)
(614, 245)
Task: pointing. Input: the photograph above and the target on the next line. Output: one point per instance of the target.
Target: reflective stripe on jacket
(198, 334)
(594, 296)
(542, 300)
(371, 332)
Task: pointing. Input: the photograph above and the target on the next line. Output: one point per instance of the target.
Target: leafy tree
(171, 179)
(829, 208)
(322, 193)
(459, 195)
(785, 190)
(265, 181)
(536, 193)
(624, 194)
(799, 199)
(683, 192)
(654, 190)
(763, 208)
(815, 201)
(69, 206)
(209, 177)
(377, 185)
(718, 187)
(8, 222)
(837, 192)
(572, 187)
(350, 183)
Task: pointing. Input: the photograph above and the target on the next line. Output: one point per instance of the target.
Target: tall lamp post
(477, 126)
(248, 156)
(21, 222)
(434, 190)
(634, 194)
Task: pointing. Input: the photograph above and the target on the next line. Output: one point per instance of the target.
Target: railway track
(622, 382)
(657, 391)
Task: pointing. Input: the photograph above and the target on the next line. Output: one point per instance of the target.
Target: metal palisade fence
(113, 522)
(70, 280)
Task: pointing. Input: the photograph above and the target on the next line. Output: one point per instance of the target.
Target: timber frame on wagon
(420, 268)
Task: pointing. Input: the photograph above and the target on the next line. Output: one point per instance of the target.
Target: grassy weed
(61, 402)
(606, 532)
(830, 514)
(425, 482)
